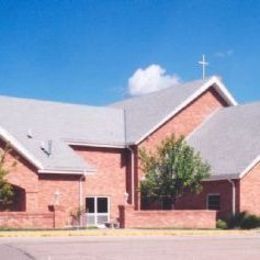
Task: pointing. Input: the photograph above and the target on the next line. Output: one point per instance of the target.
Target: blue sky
(85, 51)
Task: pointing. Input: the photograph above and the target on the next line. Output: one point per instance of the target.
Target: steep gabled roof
(146, 113)
(230, 140)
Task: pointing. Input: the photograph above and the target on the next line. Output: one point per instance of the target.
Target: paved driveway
(136, 248)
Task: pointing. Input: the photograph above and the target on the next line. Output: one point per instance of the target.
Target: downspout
(82, 177)
(132, 175)
(233, 196)
(132, 162)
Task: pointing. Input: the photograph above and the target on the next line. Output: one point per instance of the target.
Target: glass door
(97, 210)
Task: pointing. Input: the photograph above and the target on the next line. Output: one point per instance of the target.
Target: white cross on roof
(203, 63)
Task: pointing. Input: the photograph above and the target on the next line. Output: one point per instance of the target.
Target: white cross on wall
(203, 63)
(56, 197)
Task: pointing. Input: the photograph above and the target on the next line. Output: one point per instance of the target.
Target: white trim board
(249, 167)
(86, 173)
(95, 145)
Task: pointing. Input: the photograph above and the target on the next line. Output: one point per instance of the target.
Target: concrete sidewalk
(125, 232)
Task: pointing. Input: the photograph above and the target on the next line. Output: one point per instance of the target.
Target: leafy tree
(171, 170)
(6, 189)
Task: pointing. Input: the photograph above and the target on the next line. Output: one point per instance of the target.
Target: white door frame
(95, 214)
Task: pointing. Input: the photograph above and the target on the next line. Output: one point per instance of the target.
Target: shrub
(221, 224)
(244, 220)
(236, 220)
(250, 221)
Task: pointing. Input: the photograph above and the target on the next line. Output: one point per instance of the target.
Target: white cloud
(223, 54)
(150, 79)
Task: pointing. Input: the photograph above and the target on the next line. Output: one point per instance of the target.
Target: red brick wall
(250, 191)
(39, 190)
(53, 219)
(23, 175)
(182, 124)
(26, 220)
(131, 218)
(199, 201)
(67, 186)
(110, 176)
(109, 180)
(186, 120)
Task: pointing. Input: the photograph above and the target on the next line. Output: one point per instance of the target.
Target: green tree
(171, 170)
(6, 189)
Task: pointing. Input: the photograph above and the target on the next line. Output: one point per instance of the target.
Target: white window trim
(212, 194)
(96, 214)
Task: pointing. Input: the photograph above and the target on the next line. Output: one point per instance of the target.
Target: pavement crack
(25, 253)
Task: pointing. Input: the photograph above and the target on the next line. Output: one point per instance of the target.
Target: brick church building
(71, 157)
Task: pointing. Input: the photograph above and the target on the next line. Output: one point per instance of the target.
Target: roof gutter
(94, 145)
(80, 172)
(223, 177)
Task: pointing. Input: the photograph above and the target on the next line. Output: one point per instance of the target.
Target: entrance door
(97, 210)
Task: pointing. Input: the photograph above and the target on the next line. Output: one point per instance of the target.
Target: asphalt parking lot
(147, 248)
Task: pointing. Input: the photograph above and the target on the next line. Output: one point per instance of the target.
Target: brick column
(121, 216)
(59, 217)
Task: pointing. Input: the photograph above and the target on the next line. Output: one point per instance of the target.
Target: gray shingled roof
(231, 131)
(59, 122)
(145, 112)
(230, 140)
(68, 123)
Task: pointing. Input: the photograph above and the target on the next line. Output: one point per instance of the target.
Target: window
(90, 205)
(102, 205)
(97, 210)
(213, 201)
